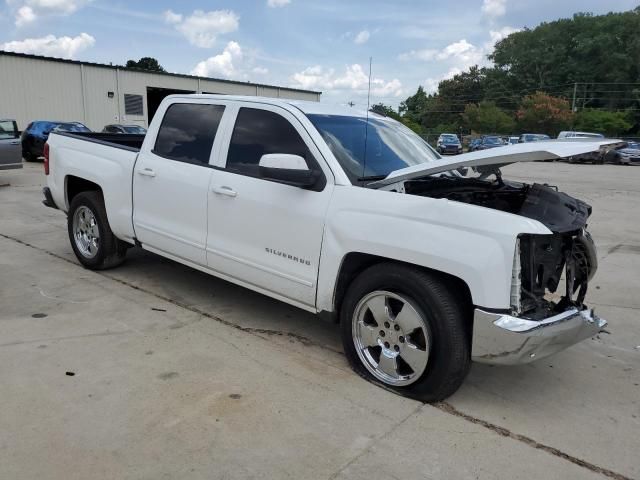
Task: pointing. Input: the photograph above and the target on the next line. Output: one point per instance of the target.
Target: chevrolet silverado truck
(349, 215)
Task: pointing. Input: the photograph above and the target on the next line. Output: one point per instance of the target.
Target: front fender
(472, 243)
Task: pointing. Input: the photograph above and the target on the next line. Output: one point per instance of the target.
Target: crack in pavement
(443, 406)
(335, 474)
(450, 409)
(253, 330)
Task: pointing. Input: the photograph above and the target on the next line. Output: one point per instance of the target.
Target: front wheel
(407, 329)
(92, 240)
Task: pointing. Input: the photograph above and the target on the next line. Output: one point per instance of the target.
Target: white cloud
(504, 32)
(172, 17)
(52, 46)
(260, 70)
(459, 55)
(354, 78)
(224, 64)
(362, 37)
(28, 11)
(278, 3)
(464, 53)
(25, 15)
(202, 28)
(494, 8)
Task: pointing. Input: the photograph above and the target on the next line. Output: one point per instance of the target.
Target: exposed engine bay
(544, 261)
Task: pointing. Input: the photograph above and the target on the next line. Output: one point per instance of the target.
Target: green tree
(413, 107)
(387, 111)
(602, 121)
(542, 113)
(146, 63)
(487, 117)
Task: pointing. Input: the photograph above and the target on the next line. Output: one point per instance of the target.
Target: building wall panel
(39, 90)
(46, 89)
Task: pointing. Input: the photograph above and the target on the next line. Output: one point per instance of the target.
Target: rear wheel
(92, 240)
(29, 157)
(406, 329)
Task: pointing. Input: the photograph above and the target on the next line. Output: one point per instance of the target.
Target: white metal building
(44, 88)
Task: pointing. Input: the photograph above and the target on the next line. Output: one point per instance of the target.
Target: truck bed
(106, 159)
(117, 140)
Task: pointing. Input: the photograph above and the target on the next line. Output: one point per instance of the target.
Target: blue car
(36, 134)
(448, 143)
(489, 141)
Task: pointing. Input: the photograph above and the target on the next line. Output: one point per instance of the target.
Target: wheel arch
(75, 185)
(354, 263)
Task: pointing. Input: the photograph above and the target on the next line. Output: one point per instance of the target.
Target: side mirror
(288, 169)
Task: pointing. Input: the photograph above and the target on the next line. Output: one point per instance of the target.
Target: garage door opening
(155, 95)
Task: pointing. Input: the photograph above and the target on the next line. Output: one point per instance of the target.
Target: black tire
(29, 157)
(111, 251)
(445, 313)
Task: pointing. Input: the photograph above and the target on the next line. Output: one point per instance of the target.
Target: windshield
(72, 127)
(450, 139)
(134, 129)
(634, 146)
(389, 145)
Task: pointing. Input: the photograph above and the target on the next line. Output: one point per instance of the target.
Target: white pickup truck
(427, 263)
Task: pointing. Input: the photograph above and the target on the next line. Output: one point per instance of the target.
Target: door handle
(147, 172)
(224, 190)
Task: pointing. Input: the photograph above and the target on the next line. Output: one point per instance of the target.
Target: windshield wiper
(371, 178)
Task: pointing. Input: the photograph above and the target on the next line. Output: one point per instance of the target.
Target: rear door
(171, 181)
(10, 155)
(261, 232)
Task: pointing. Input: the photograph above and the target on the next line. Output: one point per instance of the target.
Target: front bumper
(502, 339)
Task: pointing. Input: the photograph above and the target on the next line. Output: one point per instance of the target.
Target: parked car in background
(9, 145)
(533, 137)
(594, 157)
(473, 144)
(628, 155)
(36, 134)
(513, 140)
(490, 141)
(130, 129)
(580, 135)
(449, 143)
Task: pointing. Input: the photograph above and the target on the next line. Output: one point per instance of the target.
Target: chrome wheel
(85, 232)
(391, 338)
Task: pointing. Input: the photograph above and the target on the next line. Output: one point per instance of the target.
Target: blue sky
(313, 44)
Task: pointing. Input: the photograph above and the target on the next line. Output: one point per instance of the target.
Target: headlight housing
(541, 262)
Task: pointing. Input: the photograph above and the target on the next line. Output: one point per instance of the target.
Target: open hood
(500, 156)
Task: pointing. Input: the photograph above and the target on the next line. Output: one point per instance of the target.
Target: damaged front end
(550, 274)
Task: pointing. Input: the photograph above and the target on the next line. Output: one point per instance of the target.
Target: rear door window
(187, 132)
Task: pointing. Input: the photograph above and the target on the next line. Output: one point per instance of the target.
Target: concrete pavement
(177, 374)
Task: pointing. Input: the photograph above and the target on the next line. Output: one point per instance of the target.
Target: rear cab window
(187, 132)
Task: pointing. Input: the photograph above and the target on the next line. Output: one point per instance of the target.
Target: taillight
(46, 158)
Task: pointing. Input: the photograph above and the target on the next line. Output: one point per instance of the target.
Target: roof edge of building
(138, 70)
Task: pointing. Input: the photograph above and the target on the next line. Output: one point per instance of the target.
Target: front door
(264, 233)
(171, 182)
(9, 145)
